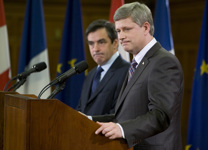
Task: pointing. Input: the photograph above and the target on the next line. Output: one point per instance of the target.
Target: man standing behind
(102, 85)
(148, 109)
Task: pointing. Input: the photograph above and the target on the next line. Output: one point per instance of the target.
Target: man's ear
(146, 26)
(115, 44)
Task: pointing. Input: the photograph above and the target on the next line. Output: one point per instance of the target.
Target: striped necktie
(96, 79)
(132, 69)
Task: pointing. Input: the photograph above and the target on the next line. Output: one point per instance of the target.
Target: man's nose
(96, 47)
(121, 35)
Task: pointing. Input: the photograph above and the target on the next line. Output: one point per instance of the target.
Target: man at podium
(148, 109)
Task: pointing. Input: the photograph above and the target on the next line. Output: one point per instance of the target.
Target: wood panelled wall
(186, 19)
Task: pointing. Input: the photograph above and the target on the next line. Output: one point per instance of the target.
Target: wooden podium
(2, 94)
(37, 124)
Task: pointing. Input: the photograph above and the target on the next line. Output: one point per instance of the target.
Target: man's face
(130, 35)
(100, 46)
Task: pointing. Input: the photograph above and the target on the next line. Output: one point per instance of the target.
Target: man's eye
(127, 29)
(90, 43)
(102, 42)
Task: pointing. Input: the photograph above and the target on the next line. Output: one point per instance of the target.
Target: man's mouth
(97, 54)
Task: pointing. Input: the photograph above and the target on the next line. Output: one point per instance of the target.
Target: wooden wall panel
(54, 23)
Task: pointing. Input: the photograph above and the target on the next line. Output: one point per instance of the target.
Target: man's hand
(110, 130)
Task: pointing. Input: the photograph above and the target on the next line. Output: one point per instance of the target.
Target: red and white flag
(4, 50)
(115, 4)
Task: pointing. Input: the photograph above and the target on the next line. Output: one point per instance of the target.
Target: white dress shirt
(138, 58)
(108, 64)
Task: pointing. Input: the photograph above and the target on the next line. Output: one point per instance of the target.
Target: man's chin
(127, 49)
(99, 62)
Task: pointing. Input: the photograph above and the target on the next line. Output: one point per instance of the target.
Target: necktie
(132, 69)
(96, 79)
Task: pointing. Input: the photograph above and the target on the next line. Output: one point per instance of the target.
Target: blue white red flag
(33, 49)
(162, 25)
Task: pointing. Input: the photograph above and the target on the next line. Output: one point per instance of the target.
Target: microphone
(78, 68)
(22, 76)
(36, 68)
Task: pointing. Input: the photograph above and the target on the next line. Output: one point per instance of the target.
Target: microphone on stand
(23, 76)
(60, 80)
(78, 68)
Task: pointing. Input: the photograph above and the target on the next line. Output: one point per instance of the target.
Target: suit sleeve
(104, 118)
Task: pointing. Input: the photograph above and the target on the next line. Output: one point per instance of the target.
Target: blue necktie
(132, 69)
(96, 79)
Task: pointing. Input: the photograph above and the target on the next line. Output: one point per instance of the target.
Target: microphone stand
(16, 85)
(58, 89)
(7, 84)
(19, 83)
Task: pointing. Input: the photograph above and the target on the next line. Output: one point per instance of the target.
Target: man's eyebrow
(89, 41)
(100, 40)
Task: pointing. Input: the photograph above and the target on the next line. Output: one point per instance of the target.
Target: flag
(115, 4)
(198, 122)
(162, 25)
(33, 49)
(4, 50)
(72, 52)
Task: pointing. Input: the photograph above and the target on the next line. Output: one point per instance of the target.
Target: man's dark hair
(101, 23)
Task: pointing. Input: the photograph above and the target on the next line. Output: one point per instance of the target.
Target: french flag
(4, 50)
(33, 49)
(162, 24)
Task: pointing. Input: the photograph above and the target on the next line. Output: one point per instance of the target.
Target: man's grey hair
(138, 12)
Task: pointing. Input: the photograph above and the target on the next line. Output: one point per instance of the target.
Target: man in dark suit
(148, 109)
(100, 98)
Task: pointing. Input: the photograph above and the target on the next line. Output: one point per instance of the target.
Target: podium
(2, 94)
(40, 124)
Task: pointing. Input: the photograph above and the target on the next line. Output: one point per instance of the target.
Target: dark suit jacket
(103, 100)
(149, 106)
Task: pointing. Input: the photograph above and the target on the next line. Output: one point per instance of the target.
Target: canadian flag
(115, 4)
(4, 50)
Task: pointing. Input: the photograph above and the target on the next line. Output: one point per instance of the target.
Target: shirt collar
(108, 64)
(142, 53)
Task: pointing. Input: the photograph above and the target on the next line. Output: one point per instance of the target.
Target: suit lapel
(106, 78)
(101, 85)
(127, 85)
(134, 78)
(89, 82)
